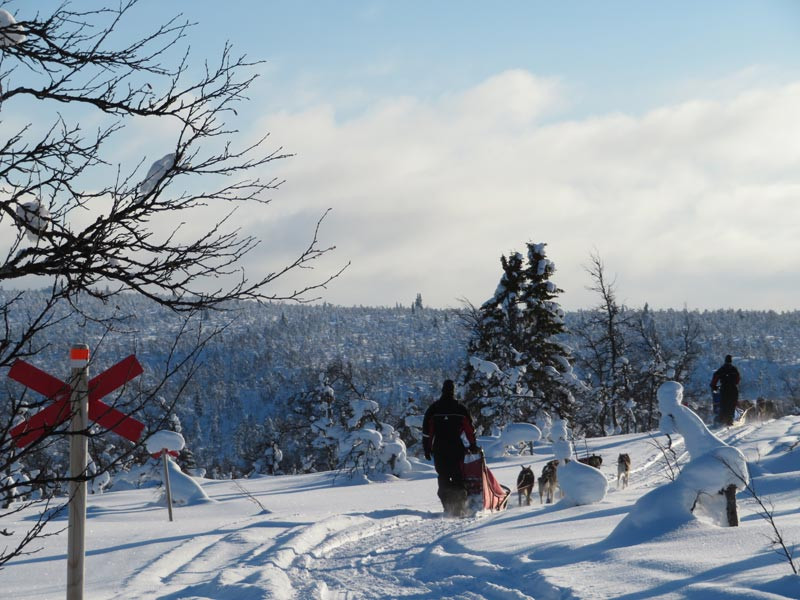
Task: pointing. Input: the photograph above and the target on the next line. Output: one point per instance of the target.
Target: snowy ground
(325, 538)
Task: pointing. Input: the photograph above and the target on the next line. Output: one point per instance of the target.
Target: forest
(270, 379)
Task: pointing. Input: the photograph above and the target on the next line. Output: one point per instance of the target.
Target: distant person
(726, 380)
(444, 423)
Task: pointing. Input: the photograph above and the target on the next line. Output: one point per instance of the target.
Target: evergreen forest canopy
(274, 371)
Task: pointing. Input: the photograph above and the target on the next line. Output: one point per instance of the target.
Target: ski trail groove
(396, 557)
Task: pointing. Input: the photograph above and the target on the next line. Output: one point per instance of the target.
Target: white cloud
(694, 202)
(427, 195)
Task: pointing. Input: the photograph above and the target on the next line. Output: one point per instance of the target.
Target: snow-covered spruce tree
(326, 428)
(548, 375)
(486, 380)
(76, 221)
(516, 365)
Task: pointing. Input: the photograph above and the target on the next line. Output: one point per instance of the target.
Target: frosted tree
(706, 486)
(548, 375)
(410, 424)
(517, 367)
(659, 355)
(326, 428)
(603, 346)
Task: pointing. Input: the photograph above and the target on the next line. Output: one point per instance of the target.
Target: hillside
(256, 379)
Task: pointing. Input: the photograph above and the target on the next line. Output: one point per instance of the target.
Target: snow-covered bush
(579, 483)
(368, 446)
(512, 435)
(545, 422)
(100, 479)
(9, 488)
(698, 490)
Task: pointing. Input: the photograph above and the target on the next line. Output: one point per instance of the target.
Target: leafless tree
(79, 224)
(601, 333)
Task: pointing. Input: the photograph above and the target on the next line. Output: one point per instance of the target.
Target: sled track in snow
(391, 554)
(386, 554)
(652, 469)
(401, 556)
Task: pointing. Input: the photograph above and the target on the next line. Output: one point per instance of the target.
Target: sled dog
(623, 469)
(595, 460)
(548, 482)
(525, 481)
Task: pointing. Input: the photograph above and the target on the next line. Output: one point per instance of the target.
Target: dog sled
(484, 492)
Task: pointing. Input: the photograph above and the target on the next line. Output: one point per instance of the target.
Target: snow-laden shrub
(698, 489)
(579, 483)
(545, 422)
(9, 488)
(512, 435)
(270, 463)
(360, 409)
(368, 451)
(99, 481)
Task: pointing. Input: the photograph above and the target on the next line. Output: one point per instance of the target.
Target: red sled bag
(482, 487)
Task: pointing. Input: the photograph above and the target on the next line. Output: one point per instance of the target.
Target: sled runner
(484, 492)
(716, 398)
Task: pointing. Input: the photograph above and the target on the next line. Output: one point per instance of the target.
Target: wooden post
(166, 481)
(78, 452)
(730, 501)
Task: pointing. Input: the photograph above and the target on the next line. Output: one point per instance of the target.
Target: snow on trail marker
(163, 444)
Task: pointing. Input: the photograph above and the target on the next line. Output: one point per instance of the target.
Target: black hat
(728, 358)
(448, 388)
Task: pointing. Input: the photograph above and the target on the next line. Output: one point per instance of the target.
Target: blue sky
(612, 55)
(662, 136)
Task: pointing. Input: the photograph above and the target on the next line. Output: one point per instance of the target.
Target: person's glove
(427, 455)
(474, 448)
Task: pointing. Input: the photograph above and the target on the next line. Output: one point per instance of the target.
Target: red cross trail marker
(53, 388)
(78, 400)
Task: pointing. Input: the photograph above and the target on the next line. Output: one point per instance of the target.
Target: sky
(661, 137)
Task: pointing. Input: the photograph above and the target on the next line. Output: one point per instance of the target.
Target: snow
(581, 484)
(485, 367)
(171, 441)
(323, 536)
(156, 172)
(9, 37)
(513, 434)
(185, 489)
(34, 218)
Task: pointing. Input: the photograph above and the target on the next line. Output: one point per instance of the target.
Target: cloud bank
(690, 204)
